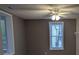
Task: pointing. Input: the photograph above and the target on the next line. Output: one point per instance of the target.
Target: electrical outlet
(45, 53)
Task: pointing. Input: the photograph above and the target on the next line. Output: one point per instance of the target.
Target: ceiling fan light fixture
(55, 17)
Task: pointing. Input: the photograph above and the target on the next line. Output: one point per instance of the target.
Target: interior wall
(77, 36)
(19, 35)
(37, 36)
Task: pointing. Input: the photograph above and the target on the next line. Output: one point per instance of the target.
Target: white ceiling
(41, 11)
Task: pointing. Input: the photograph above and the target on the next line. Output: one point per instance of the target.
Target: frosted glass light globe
(55, 17)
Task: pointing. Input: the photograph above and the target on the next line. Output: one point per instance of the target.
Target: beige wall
(37, 36)
(32, 37)
(19, 35)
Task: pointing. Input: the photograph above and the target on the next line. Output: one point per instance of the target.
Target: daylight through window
(56, 35)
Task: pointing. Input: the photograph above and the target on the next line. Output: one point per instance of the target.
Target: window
(6, 34)
(56, 35)
(3, 33)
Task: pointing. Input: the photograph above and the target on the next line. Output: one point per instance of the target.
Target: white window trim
(10, 32)
(50, 37)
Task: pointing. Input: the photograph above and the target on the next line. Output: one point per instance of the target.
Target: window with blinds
(3, 33)
(56, 35)
(6, 34)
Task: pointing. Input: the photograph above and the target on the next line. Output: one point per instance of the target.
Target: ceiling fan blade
(69, 13)
(64, 13)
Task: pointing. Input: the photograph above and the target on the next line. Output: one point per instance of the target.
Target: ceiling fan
(56, 14)
(62, 11)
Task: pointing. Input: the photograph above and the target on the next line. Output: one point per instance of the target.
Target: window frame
(50, 38)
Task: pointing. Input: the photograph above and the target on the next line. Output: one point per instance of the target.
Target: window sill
(56, 48)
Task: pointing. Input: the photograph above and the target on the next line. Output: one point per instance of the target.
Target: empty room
(39, 29)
